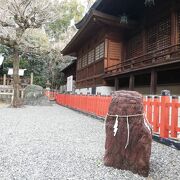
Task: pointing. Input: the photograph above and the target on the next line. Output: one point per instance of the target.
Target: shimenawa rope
(127, 121)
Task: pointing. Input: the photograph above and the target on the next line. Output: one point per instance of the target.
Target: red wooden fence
(51, 95)
(162, 112)
(96, 105)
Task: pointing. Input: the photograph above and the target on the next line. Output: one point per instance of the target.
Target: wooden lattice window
(84, 60)
(91, 57)
(79, 63)
(135, 46)
(99, 51)
(159, 35)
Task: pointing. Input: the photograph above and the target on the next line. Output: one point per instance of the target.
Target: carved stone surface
(137, 154)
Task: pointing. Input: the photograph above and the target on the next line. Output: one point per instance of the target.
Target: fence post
(88, 103)
(64, 99)
(80, 102)
(174, 117)
(32, 77)
(156, 114)
(104, 104)
(84, 103)
(99, 104)
(91, 104)
(164, 122)
(4, 79)
(95, 105)
(149, 109)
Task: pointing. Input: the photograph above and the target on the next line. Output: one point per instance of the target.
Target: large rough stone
(34, 95)
(135, 157)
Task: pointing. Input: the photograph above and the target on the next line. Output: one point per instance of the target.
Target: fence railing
(96, 105)
(51, 95)
(162, 112)
(160, 56)
(7, 92)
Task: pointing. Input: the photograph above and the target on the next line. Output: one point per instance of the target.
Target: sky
(84, 2)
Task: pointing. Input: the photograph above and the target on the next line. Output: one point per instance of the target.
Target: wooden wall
(90, 62)
(159, 28)
(114, 53)
(70, 71)
(102, 51)
(157, 36)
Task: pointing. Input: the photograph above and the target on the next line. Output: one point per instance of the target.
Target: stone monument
(128, 134)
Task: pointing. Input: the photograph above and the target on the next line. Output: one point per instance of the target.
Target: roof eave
(94, 17)
(93, 7)
(73, 63)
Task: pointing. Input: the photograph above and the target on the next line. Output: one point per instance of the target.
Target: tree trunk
(16, 98)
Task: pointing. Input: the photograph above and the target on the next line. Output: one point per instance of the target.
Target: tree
(90, 3)
(55, 63)
(69, 13)
(16, 18)
(61, 31)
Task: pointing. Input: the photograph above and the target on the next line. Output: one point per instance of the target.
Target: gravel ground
(2, 104)
(54, 142)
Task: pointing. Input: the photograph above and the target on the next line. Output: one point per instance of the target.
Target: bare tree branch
(5, 24)
(16, 7)
(26, 6)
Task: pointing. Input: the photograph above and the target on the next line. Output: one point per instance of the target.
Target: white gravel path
(42, 143)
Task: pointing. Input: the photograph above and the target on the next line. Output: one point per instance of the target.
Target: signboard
(70, 84)
(1, 59)
(21, 72)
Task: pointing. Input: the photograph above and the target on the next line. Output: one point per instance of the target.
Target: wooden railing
(162, 56)
(9, 81)
(7, 92)
(163, 113)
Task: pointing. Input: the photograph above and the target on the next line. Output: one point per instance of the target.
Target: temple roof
(94, 21)
(72, 63)
(105, 13)
(132, 8)
(93, 7)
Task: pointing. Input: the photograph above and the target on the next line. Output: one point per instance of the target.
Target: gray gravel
(57, 143)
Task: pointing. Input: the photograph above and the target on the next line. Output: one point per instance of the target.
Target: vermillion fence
(96, 105)
(51, 95)
(162, 112)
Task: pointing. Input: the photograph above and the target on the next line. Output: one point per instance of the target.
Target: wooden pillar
(153, 85)
(32, 77)
(131, 82)
(22, 93)
(116, 84)
(106, 47)
(4, 79)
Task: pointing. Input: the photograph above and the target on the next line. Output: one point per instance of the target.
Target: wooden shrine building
(128, 44)
(70, 70)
